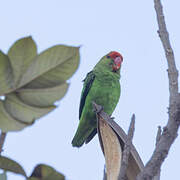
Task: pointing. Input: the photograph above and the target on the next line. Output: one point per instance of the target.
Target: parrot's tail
(90, 137)
(82, 136)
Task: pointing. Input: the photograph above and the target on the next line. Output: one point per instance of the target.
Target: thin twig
(126, 151)
(2, 139)
(169, 133)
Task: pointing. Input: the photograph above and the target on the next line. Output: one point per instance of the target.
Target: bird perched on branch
(102, 86)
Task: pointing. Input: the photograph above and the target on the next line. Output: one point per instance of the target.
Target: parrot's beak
(117, 63)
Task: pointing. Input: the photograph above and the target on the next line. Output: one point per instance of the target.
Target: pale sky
(99, 26)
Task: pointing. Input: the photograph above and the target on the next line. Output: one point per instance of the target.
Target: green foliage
(40, 172)
(10, 165)
(44, 172)
(32, 82)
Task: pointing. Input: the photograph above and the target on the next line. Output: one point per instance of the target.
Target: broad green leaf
(44, 172)
(32, 83)
(23, 112)
(49, 60)
(6, 77)
(21, 54)
(43, 97)
(57, 75)
(12, 166)
(7, 122)
(3, 176)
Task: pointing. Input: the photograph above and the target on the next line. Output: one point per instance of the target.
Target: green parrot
(102, 86)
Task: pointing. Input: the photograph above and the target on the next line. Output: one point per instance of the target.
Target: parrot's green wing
(84, 132)
(88, 81)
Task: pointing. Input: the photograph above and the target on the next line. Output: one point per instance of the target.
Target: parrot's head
(116, 60)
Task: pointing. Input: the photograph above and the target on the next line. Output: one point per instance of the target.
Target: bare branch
(169, 133)
(2, 139)
(164, 36)
(126, 151)
(157, 177)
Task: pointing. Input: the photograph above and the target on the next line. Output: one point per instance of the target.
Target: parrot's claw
(97, 108)
(100, 108)
(112, 118)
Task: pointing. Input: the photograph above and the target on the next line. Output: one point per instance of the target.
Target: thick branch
(126, 151)
(170, 130)
(2, 139)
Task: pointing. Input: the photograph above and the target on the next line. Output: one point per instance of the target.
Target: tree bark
(169, 133)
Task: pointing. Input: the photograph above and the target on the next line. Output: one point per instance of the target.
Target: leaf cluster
(30, 84)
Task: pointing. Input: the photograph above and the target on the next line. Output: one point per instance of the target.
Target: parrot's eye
(108, 56)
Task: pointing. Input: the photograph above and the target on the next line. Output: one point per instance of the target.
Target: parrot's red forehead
(114, 54)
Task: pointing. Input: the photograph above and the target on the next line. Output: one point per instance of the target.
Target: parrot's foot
(97, 108)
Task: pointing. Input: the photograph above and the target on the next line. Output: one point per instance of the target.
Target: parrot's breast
(106, 93)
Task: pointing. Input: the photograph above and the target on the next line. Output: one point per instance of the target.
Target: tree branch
(169, 133)
(2, 139)
(126, 151)
(164, 36)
